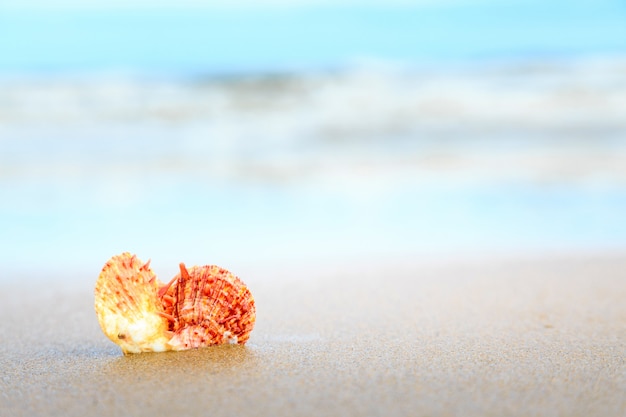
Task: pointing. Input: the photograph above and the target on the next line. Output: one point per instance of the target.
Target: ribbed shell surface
(209, 305)
(201, 306)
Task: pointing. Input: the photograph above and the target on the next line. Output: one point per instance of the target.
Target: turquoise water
(311, 134)
(243, 226)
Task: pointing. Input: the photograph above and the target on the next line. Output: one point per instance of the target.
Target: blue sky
(222, 4)
(245, 35)
(282, 4)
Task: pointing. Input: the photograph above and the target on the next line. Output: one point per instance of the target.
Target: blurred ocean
(310, 134)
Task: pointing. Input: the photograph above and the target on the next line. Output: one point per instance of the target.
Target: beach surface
(427, 201)
(481, 337)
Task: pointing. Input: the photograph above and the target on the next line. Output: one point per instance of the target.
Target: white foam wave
(534, 120)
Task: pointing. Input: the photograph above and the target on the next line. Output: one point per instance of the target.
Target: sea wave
(362, 163)
(538, 121)
(542, 94)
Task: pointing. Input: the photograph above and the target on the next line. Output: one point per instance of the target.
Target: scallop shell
(208, 305)
(201, 306)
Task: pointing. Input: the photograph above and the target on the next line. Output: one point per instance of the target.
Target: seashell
(201, 306)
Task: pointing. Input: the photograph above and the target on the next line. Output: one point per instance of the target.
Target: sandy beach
(526, 337)
(425, 198)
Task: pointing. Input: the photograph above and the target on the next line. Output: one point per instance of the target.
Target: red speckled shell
(200, 307)
(207, 305)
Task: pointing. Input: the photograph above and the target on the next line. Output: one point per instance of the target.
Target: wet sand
(472, 338)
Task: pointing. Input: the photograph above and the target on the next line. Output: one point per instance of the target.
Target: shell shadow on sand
(208, 361)
(99, 381)
(156, 381)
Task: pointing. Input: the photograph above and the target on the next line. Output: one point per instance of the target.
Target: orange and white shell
(201, 306)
